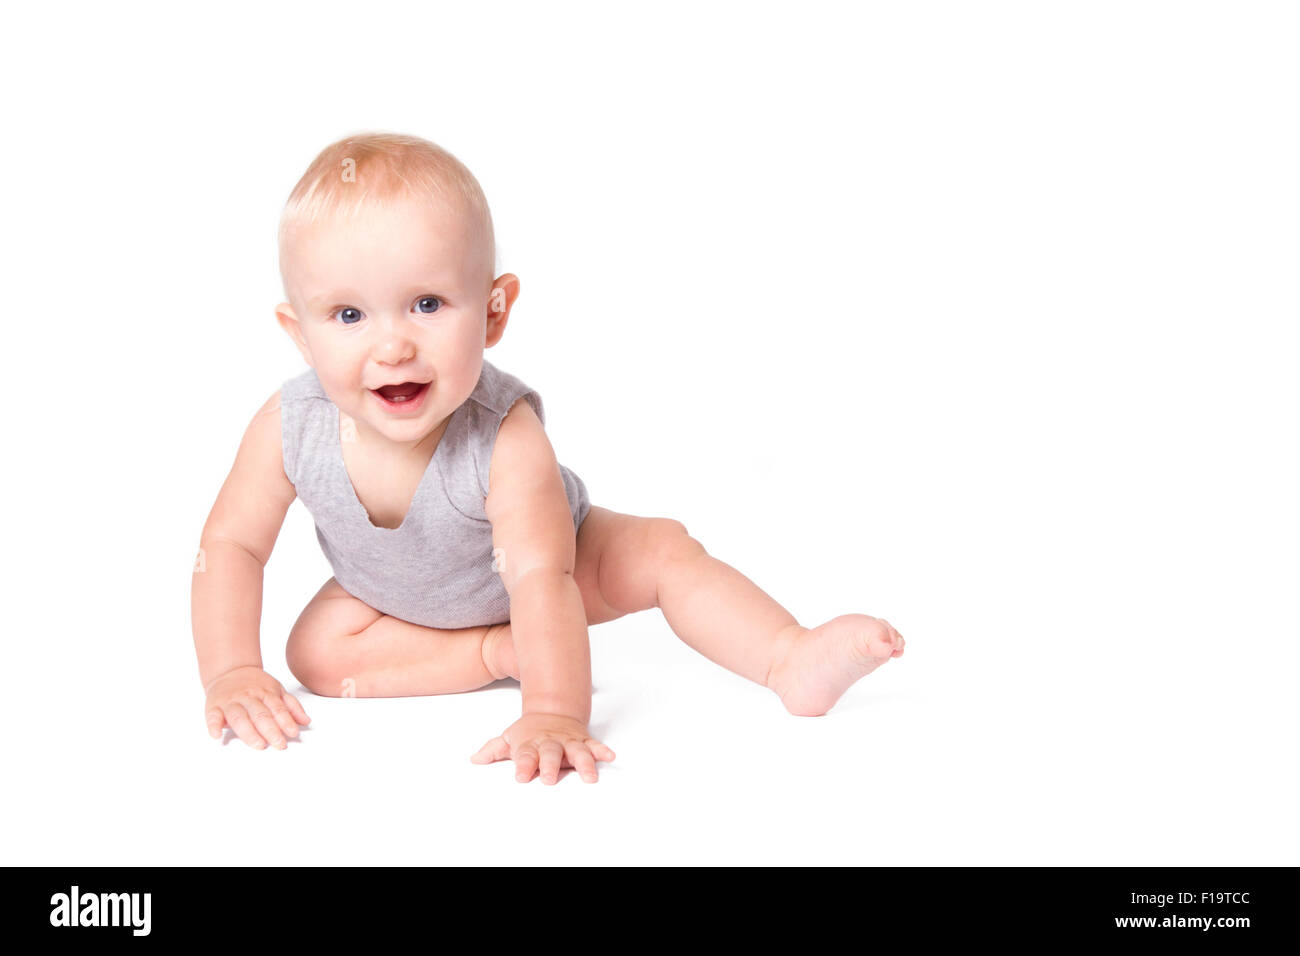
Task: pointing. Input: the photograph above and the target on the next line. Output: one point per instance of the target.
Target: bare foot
(499, 652)
(815, 667)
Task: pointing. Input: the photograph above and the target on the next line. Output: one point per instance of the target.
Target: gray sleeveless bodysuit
(436, 568)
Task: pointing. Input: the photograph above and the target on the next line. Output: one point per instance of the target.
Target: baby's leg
(342, 647)
(653, 562)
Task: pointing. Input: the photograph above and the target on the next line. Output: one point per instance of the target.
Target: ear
(501, 298)
(288, 320)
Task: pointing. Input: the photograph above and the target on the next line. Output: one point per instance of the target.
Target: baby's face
(395, 296)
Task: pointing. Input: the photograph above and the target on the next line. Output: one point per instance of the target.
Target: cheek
(466, 344)
(338, 372)
(337, 356)
(467, 333)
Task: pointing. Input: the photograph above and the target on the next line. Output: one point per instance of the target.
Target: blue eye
(348, 315)
(428, 305)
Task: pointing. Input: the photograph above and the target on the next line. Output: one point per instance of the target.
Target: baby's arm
(226, 596)
(534, 540)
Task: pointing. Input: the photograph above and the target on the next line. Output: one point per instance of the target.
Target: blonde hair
(379, 169)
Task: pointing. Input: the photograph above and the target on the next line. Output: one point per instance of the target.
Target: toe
(880, 640)
(896, 642)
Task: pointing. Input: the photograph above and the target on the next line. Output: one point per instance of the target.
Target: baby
(463, 552)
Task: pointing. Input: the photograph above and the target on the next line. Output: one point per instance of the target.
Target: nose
(395, 343)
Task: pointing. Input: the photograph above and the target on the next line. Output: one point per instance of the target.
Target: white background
(980, 318)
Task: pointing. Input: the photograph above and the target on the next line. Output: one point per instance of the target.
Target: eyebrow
(429, 287)
(324, 297)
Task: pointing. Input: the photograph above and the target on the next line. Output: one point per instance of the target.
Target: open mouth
(404, 397)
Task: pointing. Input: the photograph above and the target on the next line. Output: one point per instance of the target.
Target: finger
(552, 758)
(243, 727)
(215, 720)
(295, 708)
(600, 750)
(582, 760)
(264, 721)
(281, 714)
(525, 764)
(495, 749)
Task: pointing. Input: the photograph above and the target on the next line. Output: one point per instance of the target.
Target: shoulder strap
(299, 398)
(491, 399)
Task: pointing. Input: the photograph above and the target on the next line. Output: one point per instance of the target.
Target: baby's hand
(548, 740)
(248, 699)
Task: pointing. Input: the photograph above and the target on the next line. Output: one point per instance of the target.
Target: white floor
(1024, 724)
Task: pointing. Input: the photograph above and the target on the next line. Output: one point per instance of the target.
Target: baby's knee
(315, 660)
(670, 541)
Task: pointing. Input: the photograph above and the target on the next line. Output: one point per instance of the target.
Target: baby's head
(387, 255)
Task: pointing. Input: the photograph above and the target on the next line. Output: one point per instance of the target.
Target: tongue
(396, 392)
